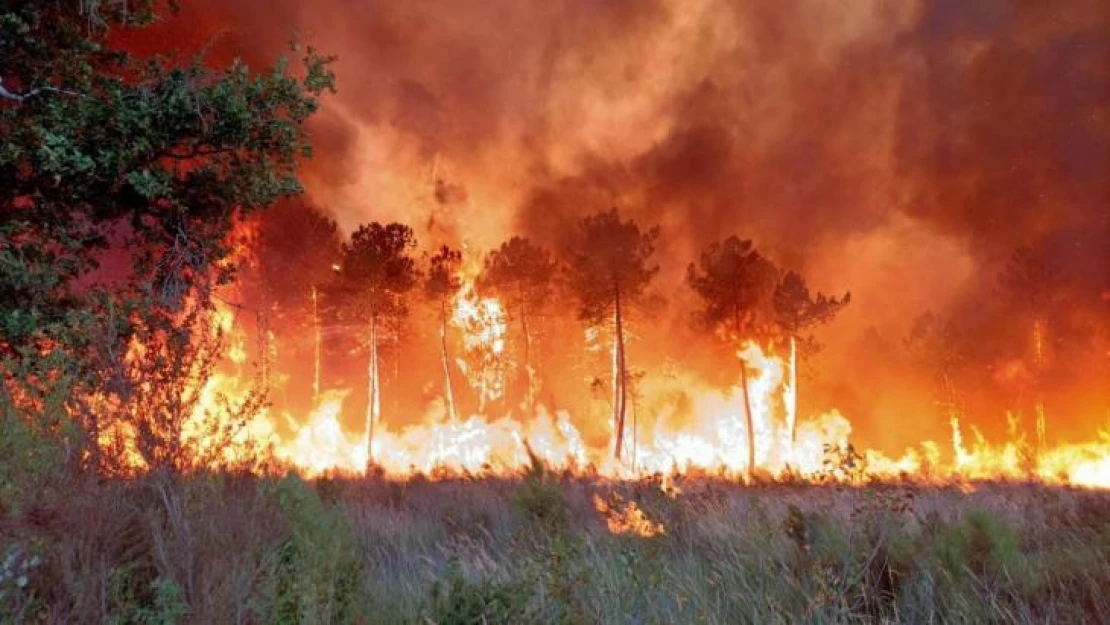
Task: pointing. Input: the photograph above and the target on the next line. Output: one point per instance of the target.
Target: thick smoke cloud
(901, 150)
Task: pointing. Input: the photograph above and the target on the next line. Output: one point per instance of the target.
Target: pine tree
(609, 270)
(734, 283)
(376, 274)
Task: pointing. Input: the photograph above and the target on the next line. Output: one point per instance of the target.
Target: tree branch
(11, 95)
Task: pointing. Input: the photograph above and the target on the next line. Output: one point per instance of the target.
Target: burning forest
(500, 312)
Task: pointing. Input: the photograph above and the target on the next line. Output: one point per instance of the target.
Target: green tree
(609, 270)
(376, 273)
(734, 283)
(796, 311)
(521, 274)
(441, 284)
(105, 152)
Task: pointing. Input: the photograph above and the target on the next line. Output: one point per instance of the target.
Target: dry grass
(240, 549)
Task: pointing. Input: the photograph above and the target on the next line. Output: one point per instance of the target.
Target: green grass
(241, 549)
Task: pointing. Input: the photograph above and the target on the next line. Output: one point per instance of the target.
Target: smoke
(899, 150)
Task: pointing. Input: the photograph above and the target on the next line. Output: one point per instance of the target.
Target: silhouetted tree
(296, 251)
(376, 273)
(440, 286)
(795, 312)
(521, 273)
(1032, 282)
(936, 344)
(609, 269)
(734, 283)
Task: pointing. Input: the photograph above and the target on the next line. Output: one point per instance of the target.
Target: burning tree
(521, 273)
(609, 270)
(440, 286)
(296, 250)
(375, 275)
(795, 312)
(1032, 284)
(734, 282)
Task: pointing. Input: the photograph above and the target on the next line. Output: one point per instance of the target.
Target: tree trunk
(373, 408)
(619, 379)
(1038, 368)
(529, 370)
(317, 332)
(792, 398)
(750, 424)
(448, 389)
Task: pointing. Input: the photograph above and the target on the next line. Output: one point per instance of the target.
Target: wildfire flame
(625, 517)
(709, 438)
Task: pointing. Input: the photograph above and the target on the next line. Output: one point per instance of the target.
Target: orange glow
(708, 436)
(625, 517)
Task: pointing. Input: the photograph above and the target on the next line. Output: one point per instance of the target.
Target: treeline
(601, 271)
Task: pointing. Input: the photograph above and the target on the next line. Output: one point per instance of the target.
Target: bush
(319, 569)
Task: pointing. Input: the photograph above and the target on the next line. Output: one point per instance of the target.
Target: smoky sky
(900, 150)
(795, 121)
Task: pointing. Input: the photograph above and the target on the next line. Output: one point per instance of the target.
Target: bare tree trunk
(749, 422)
(619, 380)
(318, 345)
(373, 408)
(1038, 367)
(529, 370)
(448, 390)
(792, 403)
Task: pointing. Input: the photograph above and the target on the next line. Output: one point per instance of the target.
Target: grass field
(241, 549)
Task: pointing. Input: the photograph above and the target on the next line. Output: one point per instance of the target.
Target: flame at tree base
(712, 442)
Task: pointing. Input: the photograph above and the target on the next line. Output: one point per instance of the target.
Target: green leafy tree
(441, 284)
(609, 270)
(376, 273)
(796, 311)
(734, 283)
(146, 160)
(521, 274)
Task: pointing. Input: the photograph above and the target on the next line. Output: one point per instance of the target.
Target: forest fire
(713, 443)
(605, 312)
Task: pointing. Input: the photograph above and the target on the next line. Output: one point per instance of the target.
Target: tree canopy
(609, 263)
(734, 282)
(120, 179)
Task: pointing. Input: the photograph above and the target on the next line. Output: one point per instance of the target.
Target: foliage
(609, 263)
(442, 279)
(734, 283)
(318, 572)
(295, 250)
(458, 600)
(520, 273)
(206, 549)
(796, 310)
(376, 271)
(540, 498)
(121, 179)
